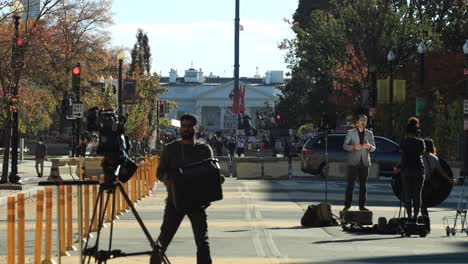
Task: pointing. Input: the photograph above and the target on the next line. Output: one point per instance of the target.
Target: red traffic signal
(76, 70)
(20, 42)
(278, 116)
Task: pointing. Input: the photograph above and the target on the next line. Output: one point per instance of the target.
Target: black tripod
(101, 256)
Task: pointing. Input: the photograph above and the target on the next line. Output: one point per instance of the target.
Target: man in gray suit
(359, 142)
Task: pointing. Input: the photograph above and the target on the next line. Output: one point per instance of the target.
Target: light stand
(324, 126)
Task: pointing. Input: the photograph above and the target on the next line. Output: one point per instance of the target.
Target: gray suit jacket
(355, 156)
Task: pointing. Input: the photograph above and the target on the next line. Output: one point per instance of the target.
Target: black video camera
(113, 144)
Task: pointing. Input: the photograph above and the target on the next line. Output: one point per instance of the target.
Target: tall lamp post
(120, 58)
(17, 10)
(421, 51)
(465, 116)
(391, 58)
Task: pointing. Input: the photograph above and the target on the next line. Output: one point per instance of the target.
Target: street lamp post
(120, 58)
(465, 116)
(17, 10)
(391, 58)
(421, 52)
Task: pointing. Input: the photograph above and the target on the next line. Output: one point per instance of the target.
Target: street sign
(465, 107)
(77, 110)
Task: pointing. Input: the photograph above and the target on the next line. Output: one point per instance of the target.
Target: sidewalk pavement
(29, 179)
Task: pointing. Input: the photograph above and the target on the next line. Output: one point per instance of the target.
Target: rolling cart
(459, 221)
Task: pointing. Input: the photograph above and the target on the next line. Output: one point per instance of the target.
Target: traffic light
(76, 78)
(162, 108)
(277, 116)
(67, 107)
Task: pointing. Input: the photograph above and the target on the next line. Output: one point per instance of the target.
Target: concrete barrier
(338, 171)
(260, 168)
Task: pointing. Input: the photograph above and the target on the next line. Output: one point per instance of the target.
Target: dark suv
(387, 153)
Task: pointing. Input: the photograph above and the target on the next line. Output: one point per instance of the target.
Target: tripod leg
(137, 216)
(112, 218)
(93, 216)
(101, 216)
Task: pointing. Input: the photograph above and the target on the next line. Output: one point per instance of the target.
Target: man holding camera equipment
(174, 158)
(359, 142)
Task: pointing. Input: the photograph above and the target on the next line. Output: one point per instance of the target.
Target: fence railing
(40, 227)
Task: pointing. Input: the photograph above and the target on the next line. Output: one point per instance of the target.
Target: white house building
(208, 97)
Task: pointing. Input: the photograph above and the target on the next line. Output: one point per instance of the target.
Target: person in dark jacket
(40, 155)
(175, 155)
(431, 167)
(412, 169)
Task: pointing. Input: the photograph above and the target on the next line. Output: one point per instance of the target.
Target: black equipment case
(318, 215)
(357, 217)
(197, 184)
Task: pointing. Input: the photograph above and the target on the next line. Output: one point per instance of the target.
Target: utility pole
(236, 54)
(76, 86)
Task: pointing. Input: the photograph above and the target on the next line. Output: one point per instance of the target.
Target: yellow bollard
(142, 169)
(11, 230)
(39, 216)
(21, 228)
(126, 206)
(86, 209)
(117, 203)
(134, 189)
(48, 233)
(70, 246)
(109, 207)
(81, 169)
(94, 227)
(62, 220)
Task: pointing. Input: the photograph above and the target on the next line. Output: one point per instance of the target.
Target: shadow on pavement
(354, 240)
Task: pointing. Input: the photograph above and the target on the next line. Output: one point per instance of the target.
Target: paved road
(258, 222)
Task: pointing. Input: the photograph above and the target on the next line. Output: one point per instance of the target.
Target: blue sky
(182, 31)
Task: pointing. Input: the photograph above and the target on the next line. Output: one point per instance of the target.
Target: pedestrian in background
(40, 155)
(359, 143)
(240, 142)
(412, 169)
(232, 146)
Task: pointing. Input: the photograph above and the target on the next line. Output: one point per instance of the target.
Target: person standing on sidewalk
(412, 168)
(359, 142)
(40, 155)
(174, 156)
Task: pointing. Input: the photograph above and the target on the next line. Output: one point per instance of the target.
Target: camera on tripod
(113, 144)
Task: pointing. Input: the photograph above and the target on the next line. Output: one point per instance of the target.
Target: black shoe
(346, 208)
(362, 208)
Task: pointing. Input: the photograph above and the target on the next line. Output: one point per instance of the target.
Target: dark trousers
(426, 192)
(40, 162)
(362, 172)
(171, 222)
(412, 183)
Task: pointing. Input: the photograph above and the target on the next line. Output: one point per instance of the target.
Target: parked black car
(387, 154)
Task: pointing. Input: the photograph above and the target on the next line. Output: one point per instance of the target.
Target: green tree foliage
(141, 54)
(338, 41)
